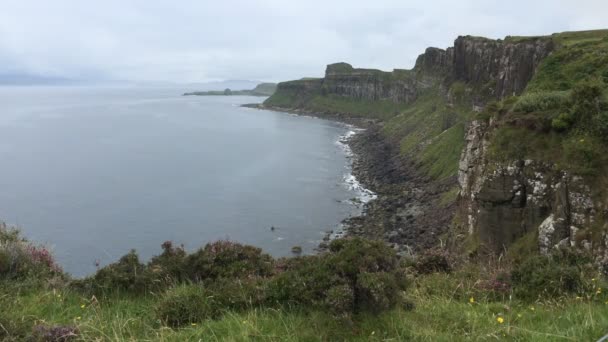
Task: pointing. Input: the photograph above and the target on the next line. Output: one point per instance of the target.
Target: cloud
(198, 40)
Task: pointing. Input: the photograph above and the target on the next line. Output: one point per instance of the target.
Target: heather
(358, 290)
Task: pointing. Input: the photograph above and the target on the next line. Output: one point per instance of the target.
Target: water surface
(95, 172)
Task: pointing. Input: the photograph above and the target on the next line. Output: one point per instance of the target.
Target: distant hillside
(262, 89)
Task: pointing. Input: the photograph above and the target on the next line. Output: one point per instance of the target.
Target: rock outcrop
(399, 86)
(502, 68)
(502, 202)
(496, 68)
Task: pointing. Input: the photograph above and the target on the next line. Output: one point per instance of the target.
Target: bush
(538, 102)
(547, 277)
(600, 122)
(187, 304)
(355, 275)
(225, 259)
(376, 291)
(432, 262)
(563, 122)
(128, 274)
(583, 154)
(21, 259)
(198, 302)
(239, 294)
(170, 264)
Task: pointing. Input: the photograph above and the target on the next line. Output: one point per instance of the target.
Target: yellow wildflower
(373, 332)
(193, 324)
(532, 308)
(82, 306)
(599, 291)
(78, 318)
(471, 300)
(500, 320)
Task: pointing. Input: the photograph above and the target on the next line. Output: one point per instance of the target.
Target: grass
(443, 312)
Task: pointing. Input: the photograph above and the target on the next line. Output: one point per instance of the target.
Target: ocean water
(94, 172)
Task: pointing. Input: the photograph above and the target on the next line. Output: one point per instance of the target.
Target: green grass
(579, 56)
(443, 312)
(382, 110)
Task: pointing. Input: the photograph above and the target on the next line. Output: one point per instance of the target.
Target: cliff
(497, 142)
(495, 68)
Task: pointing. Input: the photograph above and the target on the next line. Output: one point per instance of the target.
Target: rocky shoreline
(405, 213)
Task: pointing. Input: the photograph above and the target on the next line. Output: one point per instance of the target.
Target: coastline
(359, 179)
(406, 212)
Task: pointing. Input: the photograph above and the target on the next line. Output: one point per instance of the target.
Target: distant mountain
(262, 89)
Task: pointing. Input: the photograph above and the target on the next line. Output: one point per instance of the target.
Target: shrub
(21, 259)
(128, 274)
(198, 302)
(225, 259)
(239, 294)
(600, 122)
(355, 275)
(583, 154)
(340, 299)
(546, 277)
(536, 102)
(432, 262)
(170, 264)
(376, 291)
(187, 304)
(562, 122)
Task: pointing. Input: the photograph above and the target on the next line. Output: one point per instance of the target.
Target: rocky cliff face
(500, 68)
(399, 86)
(499, 202)
(496, 69)
(502, 202)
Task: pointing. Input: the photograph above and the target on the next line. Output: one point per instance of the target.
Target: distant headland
(262, 89)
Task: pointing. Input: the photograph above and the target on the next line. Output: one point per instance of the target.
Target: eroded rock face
(502, 68)
(504, 201)
(399, 86)
(495, 68)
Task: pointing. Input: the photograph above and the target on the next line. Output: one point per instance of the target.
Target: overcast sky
(201, 40)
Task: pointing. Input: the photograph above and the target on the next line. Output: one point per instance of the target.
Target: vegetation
(359, 290)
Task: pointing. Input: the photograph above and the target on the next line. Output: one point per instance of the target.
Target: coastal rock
(505, 201)
(499, 67)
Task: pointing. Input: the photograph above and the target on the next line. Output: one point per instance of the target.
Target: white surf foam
(363, 195)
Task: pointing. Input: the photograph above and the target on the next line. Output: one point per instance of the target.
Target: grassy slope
(579, 57)
(428, 129)
(439, 316)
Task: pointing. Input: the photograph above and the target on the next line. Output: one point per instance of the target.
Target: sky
(270, 40)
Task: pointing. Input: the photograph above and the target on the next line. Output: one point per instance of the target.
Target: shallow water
(95, 172)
